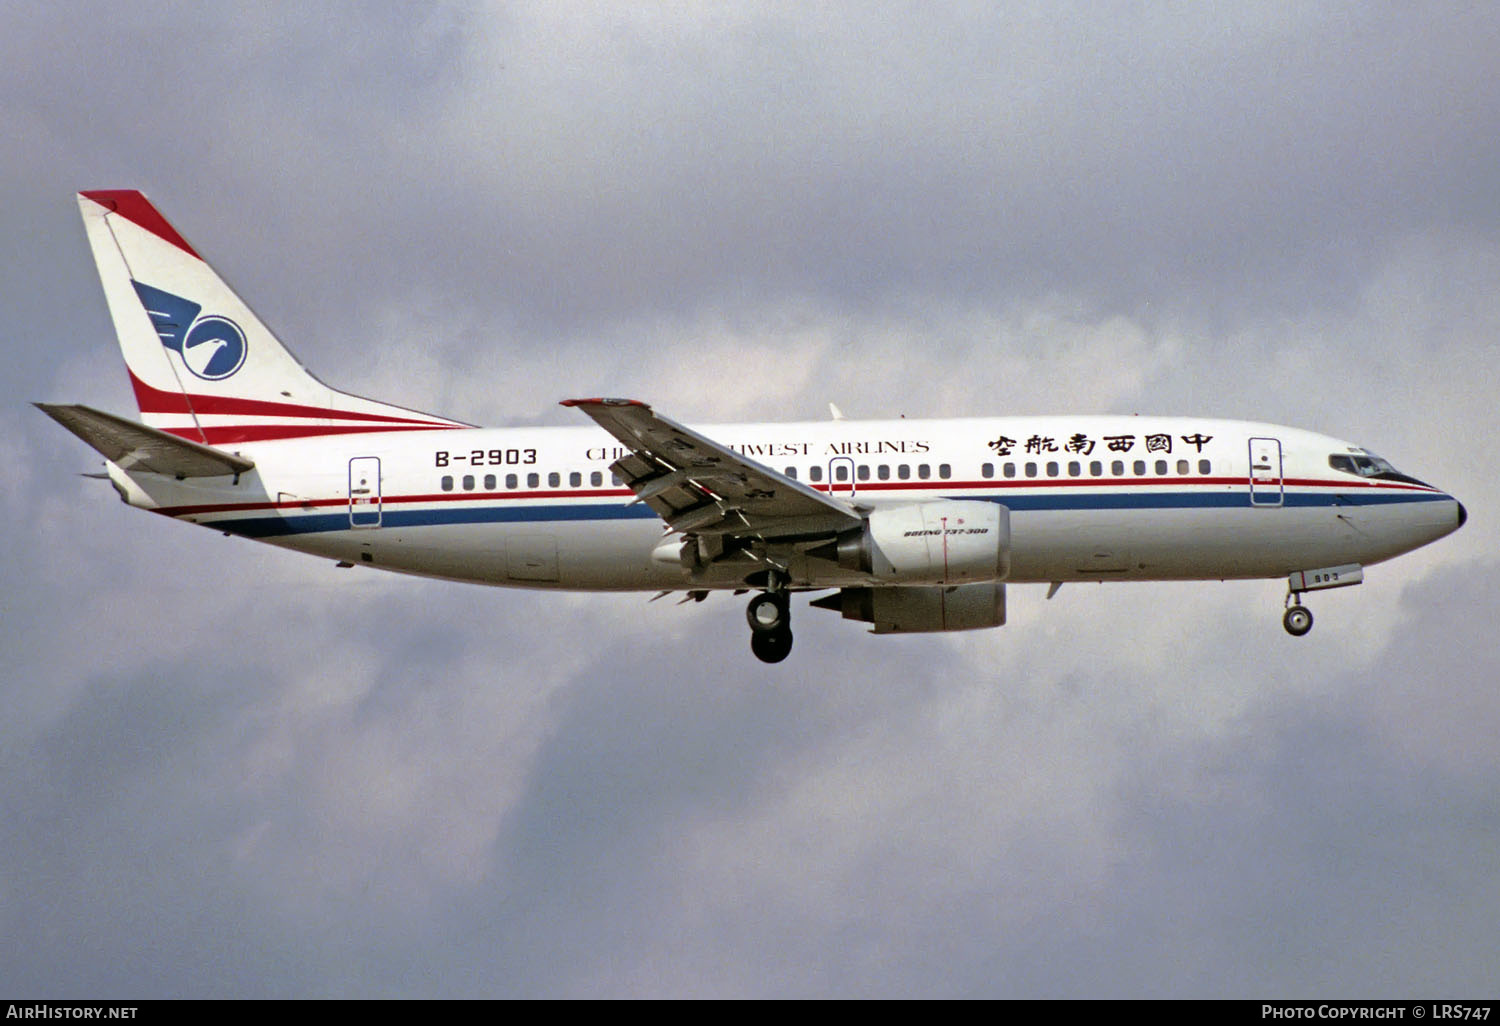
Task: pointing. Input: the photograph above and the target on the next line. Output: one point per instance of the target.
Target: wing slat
(698, 485)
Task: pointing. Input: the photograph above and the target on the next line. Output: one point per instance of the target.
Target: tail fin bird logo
(212, 347)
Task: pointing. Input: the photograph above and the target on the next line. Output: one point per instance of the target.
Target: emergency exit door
(841, 477)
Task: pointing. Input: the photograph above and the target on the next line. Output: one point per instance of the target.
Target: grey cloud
(562, 169)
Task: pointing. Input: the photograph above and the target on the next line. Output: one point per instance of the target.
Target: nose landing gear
(769, 614)
(1298, 619)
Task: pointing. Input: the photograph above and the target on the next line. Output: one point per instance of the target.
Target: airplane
(908, 525)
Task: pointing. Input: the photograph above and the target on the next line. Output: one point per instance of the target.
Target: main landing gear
(770, 619)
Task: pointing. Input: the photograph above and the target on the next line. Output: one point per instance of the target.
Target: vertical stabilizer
(203, 366)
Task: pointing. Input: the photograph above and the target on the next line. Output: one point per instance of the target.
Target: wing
(701, 487)
(137, 447)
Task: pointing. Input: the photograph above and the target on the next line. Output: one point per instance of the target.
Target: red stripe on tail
(225, 434)
(156, 400)
(136, 208)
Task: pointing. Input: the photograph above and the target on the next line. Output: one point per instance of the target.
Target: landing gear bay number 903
(486, 457)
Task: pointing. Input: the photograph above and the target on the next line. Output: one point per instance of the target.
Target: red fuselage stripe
(617, 493)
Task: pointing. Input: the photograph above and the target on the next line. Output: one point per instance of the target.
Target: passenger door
(364, 491)
(1265, 472)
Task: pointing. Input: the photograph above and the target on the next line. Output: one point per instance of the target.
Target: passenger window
(903, 471)
(1010, 470)
(1117, 468)
(815, 473)
(791, 472)
(841, 472)
(447, 482)
(1161, 468)
(924, 471)
(533, 480)
(987, 470)
(883, 472)
(1096, 469)
(863, 472)
(1031, 470)
(1204, 466)
(596, 479)
(489, 482)
(1052, 469)
(615, 478)
(554, 479)
(1182, 466)
(510, 481)
(575, 479)
(1140, 468)
(945, 470)
(1074, 469)
(468, 482)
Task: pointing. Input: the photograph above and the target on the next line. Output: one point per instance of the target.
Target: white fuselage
(1090, 498)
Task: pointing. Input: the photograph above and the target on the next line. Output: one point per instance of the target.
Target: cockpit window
(1364, 466)
(1367, 464)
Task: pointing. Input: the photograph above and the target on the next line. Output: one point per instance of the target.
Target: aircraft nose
(1463, 515)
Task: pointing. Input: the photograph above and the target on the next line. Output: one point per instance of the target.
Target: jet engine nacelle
(940, 542)
(963, 607)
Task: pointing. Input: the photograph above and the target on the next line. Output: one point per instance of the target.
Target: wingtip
(603, 401)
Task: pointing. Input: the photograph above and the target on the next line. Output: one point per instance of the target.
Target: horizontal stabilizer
(132, 446)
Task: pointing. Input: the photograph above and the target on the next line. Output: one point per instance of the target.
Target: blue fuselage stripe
(312, 523)
(276, 525)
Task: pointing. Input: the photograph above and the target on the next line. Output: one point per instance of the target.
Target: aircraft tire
(1297, 621)
(771, 646)
(767, 613)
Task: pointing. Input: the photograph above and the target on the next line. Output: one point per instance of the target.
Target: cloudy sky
(226, 770)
